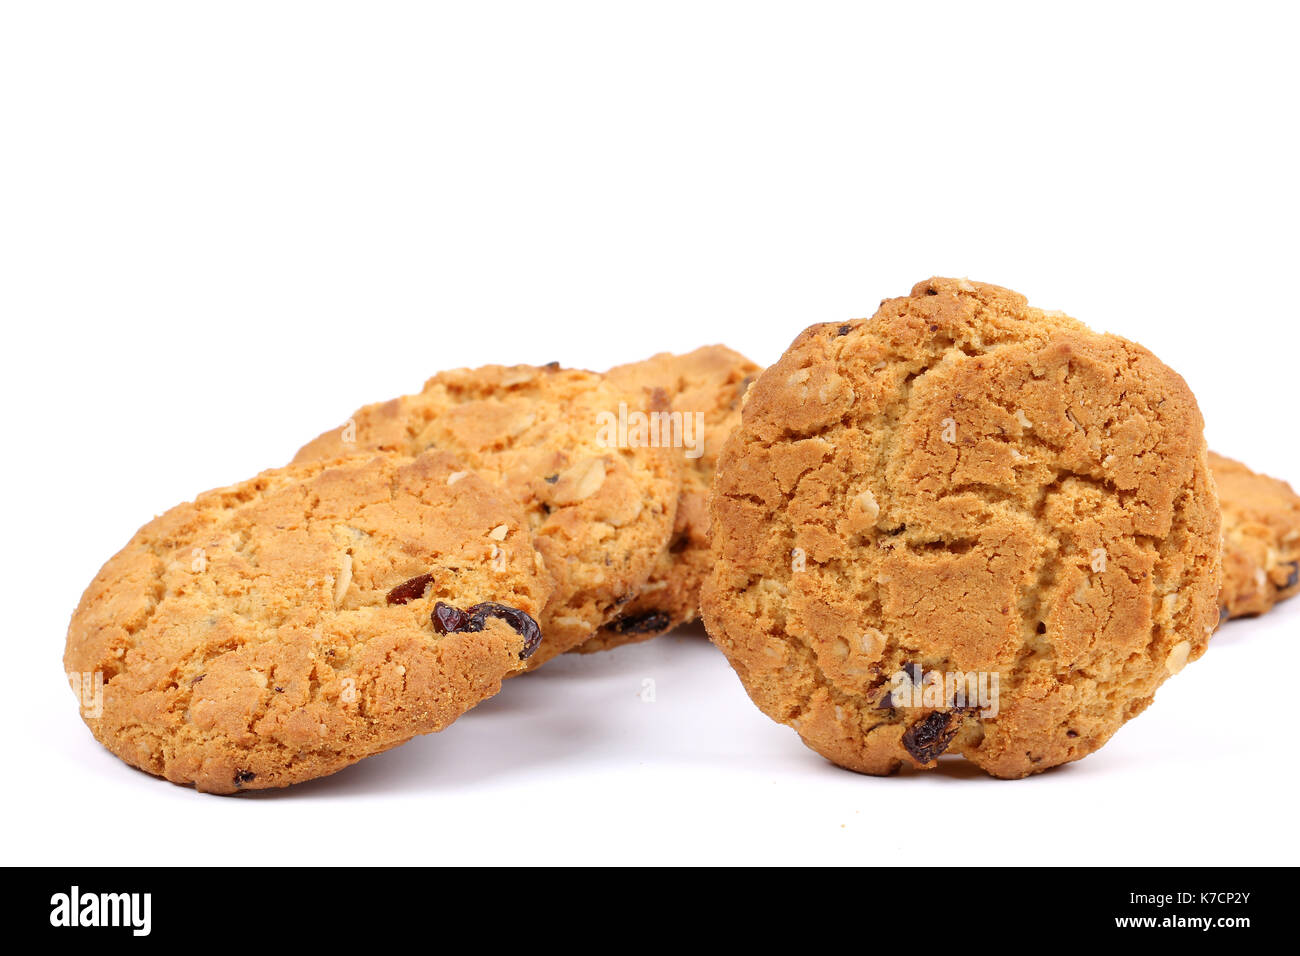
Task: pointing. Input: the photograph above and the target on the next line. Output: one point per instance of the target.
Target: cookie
(705, 389)
(964, 526)
(599, 492)
(283, 628)
(1261, 538)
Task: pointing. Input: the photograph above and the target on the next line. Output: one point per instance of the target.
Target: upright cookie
(964, 526)
(283, 628)
(705, 389)
(600, 493)
(1261, 538)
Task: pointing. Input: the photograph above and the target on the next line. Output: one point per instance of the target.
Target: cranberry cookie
(283, 628)
(1261, 538)
(705, 389)
(963, 526)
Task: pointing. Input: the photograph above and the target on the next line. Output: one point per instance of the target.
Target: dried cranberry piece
(409, 590)
(521, 621)
(448, 619)
(652, 622)
(929, 737)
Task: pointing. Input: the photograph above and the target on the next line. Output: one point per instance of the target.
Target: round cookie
(599, 497)
(963, 526)
(283, 628)
(1261, 538)
(705, 388)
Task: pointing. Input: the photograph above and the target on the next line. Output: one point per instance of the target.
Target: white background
(224, 226)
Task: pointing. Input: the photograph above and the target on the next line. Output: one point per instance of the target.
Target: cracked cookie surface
(600, 511)
(280, 629)
(962, 485)
(1261, 538)
(709, 385)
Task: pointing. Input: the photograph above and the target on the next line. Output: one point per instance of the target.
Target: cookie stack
(405, 563)
(965, 526)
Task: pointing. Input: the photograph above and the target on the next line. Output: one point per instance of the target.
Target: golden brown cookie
(963, 526)
(599, 496)
(705, 389)
(283, 628)
(1261, 538)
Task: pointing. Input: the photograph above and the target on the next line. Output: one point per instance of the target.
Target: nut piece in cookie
(599, 494)
(963, 527)
(1261, 538)
(705, 389)
(282, 628)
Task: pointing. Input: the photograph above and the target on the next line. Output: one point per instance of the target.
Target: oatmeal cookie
(1261, 538)
(705, 389)
(964, 526)
(600, 503)
(280, 629)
